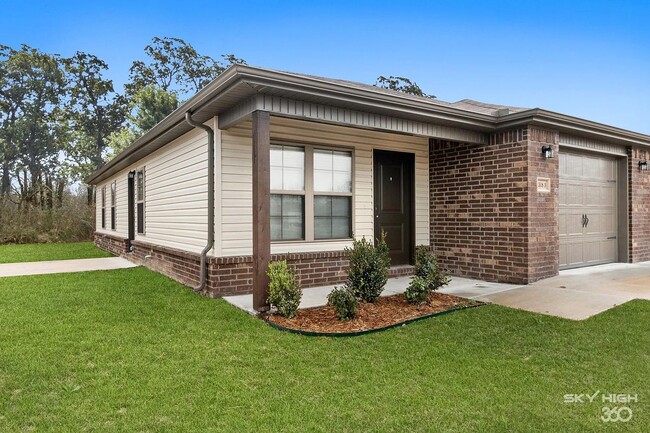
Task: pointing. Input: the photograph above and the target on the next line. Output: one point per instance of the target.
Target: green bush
(284, 293)
(426, 268)
(369, 265)
(417, 291)
(344, 302)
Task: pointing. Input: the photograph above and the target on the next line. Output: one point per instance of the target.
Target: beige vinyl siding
(175, 195)
(121, 228)
(236, 180)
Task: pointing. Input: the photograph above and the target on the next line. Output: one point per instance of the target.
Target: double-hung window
(332, 194)
(104, 207)
(287, 193)
(113, 205)
(311, 193)
(139, 199)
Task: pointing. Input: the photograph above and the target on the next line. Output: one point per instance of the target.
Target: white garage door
(588, 209)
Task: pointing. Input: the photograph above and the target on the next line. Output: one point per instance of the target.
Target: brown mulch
(385, 311)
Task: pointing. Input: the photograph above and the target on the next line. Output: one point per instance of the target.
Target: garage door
(588, 209)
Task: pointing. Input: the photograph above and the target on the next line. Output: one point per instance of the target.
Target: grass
(41, 252)
(131, 351)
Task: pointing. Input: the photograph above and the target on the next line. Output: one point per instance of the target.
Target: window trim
(140, 200)
(114, 205)
(309, 193)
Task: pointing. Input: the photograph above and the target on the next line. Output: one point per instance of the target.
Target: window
(311, 193)
(139, 199)
(104, 207)
(332, 194)
(113, 205)
(287, 193)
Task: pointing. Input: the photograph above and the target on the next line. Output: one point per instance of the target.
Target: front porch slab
(317, 296)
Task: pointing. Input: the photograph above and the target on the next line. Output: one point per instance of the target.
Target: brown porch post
(261, 208)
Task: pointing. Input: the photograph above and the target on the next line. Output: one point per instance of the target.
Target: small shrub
(344, 302)
(284, 293)
(426, 268)
(369, 265)
(417, 291)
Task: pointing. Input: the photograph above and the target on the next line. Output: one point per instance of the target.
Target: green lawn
(132, 351)
(41, 252)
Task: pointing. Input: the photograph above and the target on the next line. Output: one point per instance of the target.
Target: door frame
(410, 156)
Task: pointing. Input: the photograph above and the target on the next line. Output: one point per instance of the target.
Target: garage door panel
(587, 187)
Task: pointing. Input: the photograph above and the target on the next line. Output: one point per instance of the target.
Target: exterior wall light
(548, 152)
(643, 165)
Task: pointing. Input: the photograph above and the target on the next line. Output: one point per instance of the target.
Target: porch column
(261, 208)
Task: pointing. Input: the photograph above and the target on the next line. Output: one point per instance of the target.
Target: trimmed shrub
(417, 291)
(284, 293)
(369, 265)
(344, 302)
(428, 277)
(426, 268)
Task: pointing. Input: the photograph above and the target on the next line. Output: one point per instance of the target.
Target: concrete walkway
(317, 296)
(575, 294)
(64, 266)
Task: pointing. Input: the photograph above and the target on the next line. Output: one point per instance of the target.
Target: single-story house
(264, 164)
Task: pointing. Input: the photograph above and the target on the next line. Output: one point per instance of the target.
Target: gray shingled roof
(463, 104)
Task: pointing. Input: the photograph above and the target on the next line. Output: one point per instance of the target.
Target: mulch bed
(385, 311)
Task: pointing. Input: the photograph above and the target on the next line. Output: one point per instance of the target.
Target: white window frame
(308, 193)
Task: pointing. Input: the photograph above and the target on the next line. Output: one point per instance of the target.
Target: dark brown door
(394, 184)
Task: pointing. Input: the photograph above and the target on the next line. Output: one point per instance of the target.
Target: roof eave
(575, 125)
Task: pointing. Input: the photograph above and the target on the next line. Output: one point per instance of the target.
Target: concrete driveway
(580, 293)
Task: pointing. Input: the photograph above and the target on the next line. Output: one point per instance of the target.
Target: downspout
(210, 244)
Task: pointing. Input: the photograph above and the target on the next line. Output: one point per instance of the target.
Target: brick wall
(543, 207)
(488, 221)
(639, 206)
(113, 244)
(234, 275)
(478, 207)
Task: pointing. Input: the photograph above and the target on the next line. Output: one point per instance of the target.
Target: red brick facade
(543, 207)
(233, 275)
(113, 244)
(639, 206)
(488, 221)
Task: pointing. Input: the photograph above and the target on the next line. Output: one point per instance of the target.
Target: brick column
(639, 206)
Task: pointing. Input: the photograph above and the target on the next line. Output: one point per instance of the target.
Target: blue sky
(589, 59)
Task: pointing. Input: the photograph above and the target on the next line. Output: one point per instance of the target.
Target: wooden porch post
(261, 208)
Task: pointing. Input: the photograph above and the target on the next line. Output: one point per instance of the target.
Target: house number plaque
(543, 184)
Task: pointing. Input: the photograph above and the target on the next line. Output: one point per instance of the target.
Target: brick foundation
(233, 275)
(113, 244)
(639, 206)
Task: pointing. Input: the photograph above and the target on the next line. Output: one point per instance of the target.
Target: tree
(31, 88)
(148, 107)
(175, 66)
(93, 110)
(401, 84)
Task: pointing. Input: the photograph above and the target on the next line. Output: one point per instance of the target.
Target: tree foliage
(32, 86)
(93, 111)
(401, 84)
(175, 66)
